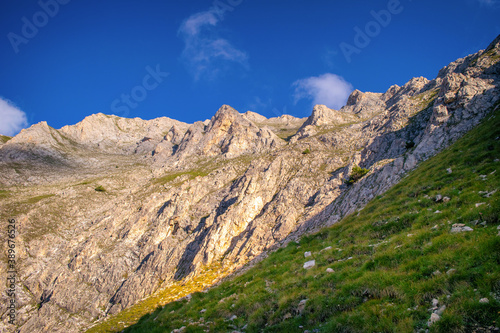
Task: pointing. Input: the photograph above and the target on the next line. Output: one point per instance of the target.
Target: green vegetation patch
(4, 194)
(100, 188)
(172, 176)
(425, 99)
(154, 304)
(4, 138)
(356, 174)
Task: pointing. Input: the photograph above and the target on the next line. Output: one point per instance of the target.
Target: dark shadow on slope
(185, 265)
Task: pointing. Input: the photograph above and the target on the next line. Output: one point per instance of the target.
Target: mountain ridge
(224, 194)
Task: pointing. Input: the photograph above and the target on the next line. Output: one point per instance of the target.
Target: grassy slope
(396, 245)
(4, 139)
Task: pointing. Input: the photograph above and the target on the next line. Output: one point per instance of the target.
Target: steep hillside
(426, 253)
(113, 211)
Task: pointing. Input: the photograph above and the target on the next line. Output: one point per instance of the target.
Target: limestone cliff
(112, 210)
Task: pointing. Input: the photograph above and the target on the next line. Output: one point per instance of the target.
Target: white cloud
(329, 89)
(194, 23)
(12, 120)
(205, 53)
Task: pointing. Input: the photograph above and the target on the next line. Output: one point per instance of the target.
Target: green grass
(14, 209)
(4, 194)
(100, 188)
(4, 138)
(34, 200)
(172, 176)
(356, 174)
(286, 134)
(425, 100)
(208, 276)
(385, 259)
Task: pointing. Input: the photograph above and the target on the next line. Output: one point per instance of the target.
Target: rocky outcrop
(218, 192)
(229, 134)
(112, 133)
(323, 116)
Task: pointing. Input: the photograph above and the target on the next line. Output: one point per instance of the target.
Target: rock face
(114, 134)
(228, 133)
(175, 198)
(322, 116)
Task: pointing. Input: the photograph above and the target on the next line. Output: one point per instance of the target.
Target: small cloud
(328, 89)
(12, 119)
(193, 25)
(205, 53)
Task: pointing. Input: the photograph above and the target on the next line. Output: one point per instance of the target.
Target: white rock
(460, 227)
(302, 305)
(309, 264)
(434, 318)
(441, 309)
(203, 310)
(449, 170)
(307, 254)
(435, 302)
(439, 197)
(329, 270)
(480, 204)
(484, 300)
(446, 199)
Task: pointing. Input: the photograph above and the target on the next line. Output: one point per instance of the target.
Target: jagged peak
(494, 44)
(37, 127)
(254, 117)
(39, 133)
(323, 115)
(354, 97)
(393, 90)
(225, 110)
(225, 117)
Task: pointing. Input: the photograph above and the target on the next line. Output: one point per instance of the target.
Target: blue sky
(62, 60)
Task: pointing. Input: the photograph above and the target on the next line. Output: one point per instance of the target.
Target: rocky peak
(225, 118)
(355, 97)
(414, 86)
(40, 134)
(390, 92)
(254, 117)
(364, 104)
(112, 134)
(322, 115)
(230, 134)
